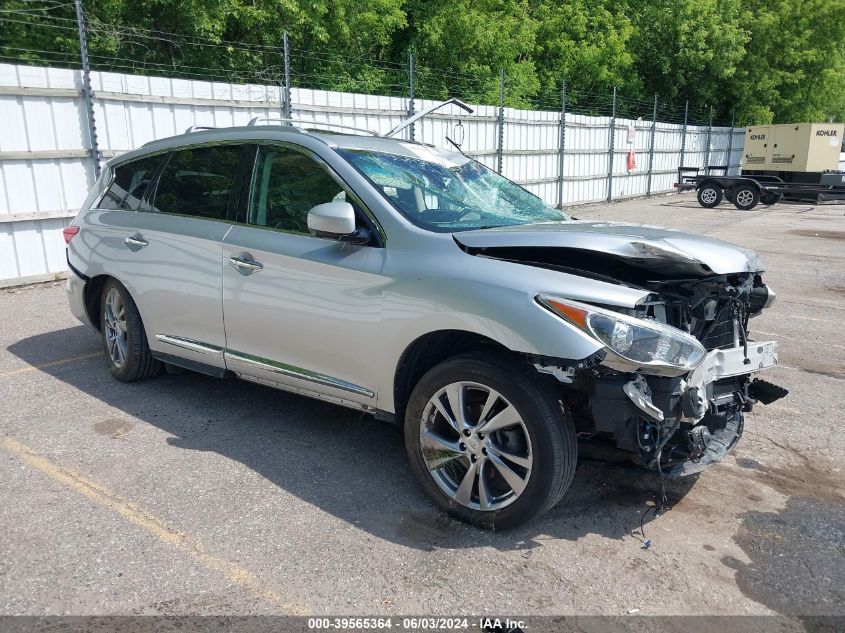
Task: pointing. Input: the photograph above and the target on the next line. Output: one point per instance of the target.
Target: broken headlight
(644, 342)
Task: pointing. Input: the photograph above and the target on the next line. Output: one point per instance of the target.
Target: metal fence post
(288, 111)
(651, 147)
(561, 147)
(411, 130)
(730, 146)
(709, 137)
(500, 150)
(87, 94)
(611, 149)
(684, 135)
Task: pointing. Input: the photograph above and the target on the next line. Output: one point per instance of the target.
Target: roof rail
(194, 128)
(259, 119)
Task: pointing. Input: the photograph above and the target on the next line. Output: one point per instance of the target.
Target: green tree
(461, 45)
(793, 68)
(764, 60)
(687, 49)
(585, 43)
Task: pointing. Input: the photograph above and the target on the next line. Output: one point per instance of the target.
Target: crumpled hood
(665, 249)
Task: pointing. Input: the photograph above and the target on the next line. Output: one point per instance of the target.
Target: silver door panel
(314, 305)
(175, 279)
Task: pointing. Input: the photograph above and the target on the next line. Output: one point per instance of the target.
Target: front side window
(448, 197)
(286, 184)
(129, 184)
(198, 181)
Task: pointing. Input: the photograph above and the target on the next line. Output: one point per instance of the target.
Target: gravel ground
(190, 495)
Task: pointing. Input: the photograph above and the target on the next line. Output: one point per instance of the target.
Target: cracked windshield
(453, 198)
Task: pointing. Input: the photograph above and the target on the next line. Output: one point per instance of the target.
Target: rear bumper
(75, 288)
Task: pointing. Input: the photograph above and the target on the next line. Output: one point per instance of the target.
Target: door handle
(137, 241)
(245, 264)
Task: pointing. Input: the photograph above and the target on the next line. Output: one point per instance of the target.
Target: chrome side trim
(310, 393)
(295, 372)
(190, 344)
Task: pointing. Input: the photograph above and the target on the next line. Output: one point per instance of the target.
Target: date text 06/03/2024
(415, 623)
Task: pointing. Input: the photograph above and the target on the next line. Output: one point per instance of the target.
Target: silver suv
(417, 285)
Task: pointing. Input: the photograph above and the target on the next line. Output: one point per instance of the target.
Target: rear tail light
(69, 232)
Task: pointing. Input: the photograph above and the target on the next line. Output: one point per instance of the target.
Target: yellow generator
(794, 148)
(797, 161)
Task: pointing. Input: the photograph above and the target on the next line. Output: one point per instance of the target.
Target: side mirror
(332, 219)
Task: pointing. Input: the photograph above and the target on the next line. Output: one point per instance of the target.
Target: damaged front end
(676, 375)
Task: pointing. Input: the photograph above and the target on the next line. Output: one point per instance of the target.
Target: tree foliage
(759, 60)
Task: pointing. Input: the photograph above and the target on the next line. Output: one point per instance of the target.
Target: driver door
(300, 311)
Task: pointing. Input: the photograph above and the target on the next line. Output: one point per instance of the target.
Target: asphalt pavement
(190, 495)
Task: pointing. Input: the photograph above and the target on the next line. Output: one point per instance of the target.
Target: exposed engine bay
(674, 422)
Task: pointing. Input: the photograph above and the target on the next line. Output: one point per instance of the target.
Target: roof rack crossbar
(260, 119)
(194, 128)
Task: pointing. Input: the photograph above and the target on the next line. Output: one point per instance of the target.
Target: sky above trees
(758, 60)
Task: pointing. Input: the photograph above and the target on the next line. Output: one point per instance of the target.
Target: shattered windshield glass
(453, 198)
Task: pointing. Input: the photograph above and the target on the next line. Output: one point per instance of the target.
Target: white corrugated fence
(46, 168)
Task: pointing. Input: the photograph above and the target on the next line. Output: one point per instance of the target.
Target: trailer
(747, 191)
(797, 161)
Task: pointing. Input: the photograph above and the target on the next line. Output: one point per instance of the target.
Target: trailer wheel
(771, 198)
(710, 195)
(746, 198)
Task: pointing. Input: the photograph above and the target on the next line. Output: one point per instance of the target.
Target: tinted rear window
(198, 181)
(129, 184)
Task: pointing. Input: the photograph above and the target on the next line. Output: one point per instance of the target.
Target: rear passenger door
(171, 262)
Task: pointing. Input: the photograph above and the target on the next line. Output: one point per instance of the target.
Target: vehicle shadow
(341, 461)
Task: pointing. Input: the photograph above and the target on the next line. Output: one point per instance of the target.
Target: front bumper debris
(683, 424)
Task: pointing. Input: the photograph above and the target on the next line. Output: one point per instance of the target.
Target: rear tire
(508, 458)
(124, 337)
(746, 198)
(710, 195)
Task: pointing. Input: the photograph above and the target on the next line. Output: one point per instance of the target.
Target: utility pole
(709, 137)
(87, 93)
(730, 145)
(684, 136)
(411, 129)
(500, 150)
(561, 147)
(651, 146)
(611, 149)
(288, 111)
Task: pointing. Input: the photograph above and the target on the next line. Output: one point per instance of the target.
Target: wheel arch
(710, 181)
(429, 350)
(741, 184)
(93, 293)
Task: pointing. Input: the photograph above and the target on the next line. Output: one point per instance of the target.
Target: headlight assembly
(644, 342)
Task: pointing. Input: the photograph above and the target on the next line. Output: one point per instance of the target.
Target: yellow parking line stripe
(152, 524)
(61, 361)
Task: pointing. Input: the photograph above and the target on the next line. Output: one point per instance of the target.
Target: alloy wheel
(115, 325)
(476, 446)
(745, 198)
(708, 196)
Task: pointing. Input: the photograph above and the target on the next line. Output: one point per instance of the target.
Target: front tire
(124, 337)
(490, 440)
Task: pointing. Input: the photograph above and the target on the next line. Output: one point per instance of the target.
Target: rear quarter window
(198, 181)
(129, 184)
